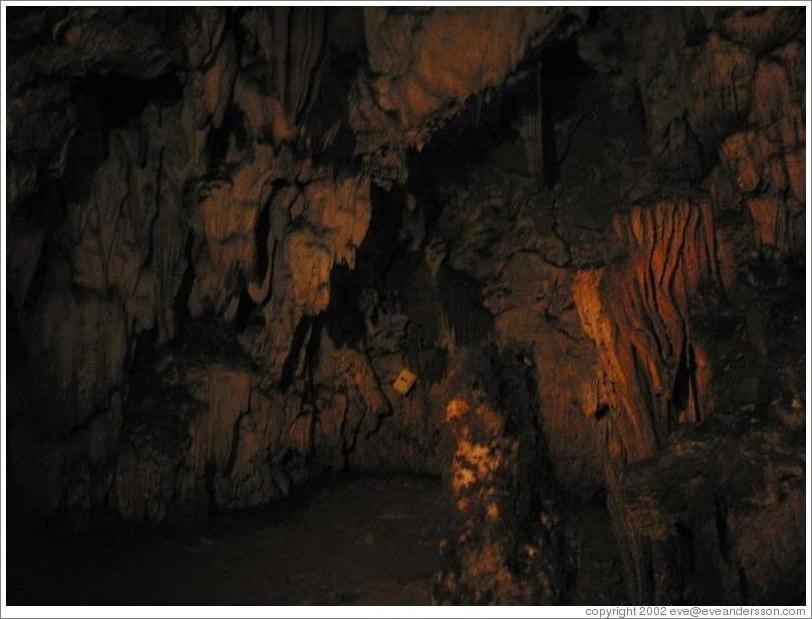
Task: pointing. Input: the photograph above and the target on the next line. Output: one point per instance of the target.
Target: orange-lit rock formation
(230, 229)
(654, 374)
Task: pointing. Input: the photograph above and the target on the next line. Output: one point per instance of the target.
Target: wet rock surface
(230, 230)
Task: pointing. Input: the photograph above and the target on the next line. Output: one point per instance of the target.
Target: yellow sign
(406, 378)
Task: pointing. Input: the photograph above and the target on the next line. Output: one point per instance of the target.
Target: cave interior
(406, 305)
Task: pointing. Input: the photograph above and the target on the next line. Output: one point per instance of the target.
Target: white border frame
(376, 611)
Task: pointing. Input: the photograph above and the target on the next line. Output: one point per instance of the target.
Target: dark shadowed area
(406, 305)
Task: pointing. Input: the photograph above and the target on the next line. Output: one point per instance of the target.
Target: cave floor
(350, 540)
(354, 540)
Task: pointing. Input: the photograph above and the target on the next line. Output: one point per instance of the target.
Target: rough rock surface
(507, 544)
(230, 229)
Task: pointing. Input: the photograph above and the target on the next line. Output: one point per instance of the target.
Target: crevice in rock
(685, 398)
(552, 255)
(561, 71)
(461, 296)
(263, 259)
(291, 365)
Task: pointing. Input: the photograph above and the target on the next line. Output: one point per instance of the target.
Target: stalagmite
(546, 262)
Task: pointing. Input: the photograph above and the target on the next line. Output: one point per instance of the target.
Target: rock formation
(583, 230)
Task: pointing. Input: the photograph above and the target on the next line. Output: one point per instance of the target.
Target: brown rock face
(582, 229)
(638, 313)
(722, 495)
(506, 544)
(429, 59)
